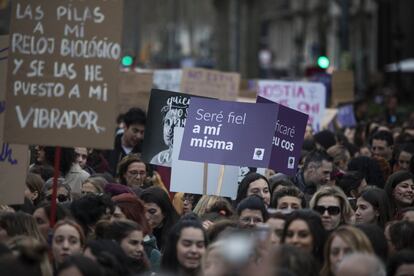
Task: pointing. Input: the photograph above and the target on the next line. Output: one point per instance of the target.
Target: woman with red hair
(128, 206)
(68, 239)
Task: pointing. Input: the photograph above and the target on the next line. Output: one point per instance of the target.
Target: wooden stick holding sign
(53, 202)
(220, 181)
(205, 178)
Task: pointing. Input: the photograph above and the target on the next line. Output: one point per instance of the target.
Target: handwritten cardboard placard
(306, 97)
(248, 89)
(134, 90)
(229, 133)
(210, 83)
(14, 161)
(188, 177)
(168, 79)
(288, 138)
(63, 72)
(4, 45)
(342, 87)
(13, 158)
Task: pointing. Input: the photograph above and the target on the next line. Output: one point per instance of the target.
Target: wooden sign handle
(205, 175)
(53, 203)
(220, 181)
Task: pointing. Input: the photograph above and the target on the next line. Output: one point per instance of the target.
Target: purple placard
(241, 136)
(346, 116)
(288, 138)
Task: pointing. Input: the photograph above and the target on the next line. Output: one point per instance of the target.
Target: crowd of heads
(349, 210)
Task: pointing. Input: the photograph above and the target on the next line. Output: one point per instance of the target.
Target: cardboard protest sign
(63, 72)
(188, 177)
(288, 139)
(306, 97)
(229, 133)
(342, 87)
(210, 83)
(13, 158)
(4, 44)
(134, 90)
(166, 110)
(168, 79)
(248, 89)
(14, 161)
(345, 116)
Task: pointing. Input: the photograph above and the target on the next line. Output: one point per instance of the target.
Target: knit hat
(114, 189)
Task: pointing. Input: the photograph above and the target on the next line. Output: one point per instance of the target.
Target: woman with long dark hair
(372, 207)
(130, 237)
(254, 184)
(159, 212)
(400, 191)
(185, 247)
(304, 229)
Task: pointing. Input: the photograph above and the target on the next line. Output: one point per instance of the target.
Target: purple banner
(345, 116)
(288, 138)
(229, 133)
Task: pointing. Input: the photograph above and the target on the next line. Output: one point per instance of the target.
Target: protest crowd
(215, 186)
(349, 210)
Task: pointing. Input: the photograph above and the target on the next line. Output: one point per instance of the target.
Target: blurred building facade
(268, 38)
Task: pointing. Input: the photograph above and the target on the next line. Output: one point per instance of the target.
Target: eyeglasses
(332, 210)
(60, 198)
(189, 198)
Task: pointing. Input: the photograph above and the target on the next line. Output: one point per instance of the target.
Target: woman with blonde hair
(333, 206)
(343, 241)
(211, 208)
(31, 248)
(30, 257)
(68, 239)
(206, 202)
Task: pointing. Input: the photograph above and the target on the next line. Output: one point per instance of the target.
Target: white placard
(307, 97)
(168, 79)
(187, 176)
